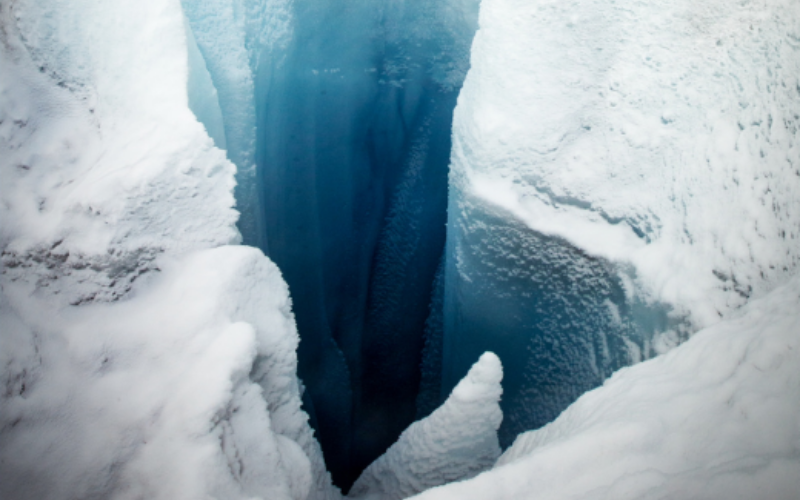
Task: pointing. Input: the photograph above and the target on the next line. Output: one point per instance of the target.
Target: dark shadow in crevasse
(354, 124)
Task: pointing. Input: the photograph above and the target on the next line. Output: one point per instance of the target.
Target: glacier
(144, 354)
(260, 249)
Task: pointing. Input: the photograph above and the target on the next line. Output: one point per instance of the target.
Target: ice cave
(384, 249)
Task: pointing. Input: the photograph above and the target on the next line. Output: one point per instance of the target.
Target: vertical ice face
(203, 95)
(354, 115)
(616, 171)
(456, 442)
(558, 318)
(231, 36)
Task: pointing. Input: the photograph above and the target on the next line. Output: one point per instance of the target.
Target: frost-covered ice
(716, 417)
(141, 356)
(457, 441)
(622, 174)
(661, 134)
(186, 390)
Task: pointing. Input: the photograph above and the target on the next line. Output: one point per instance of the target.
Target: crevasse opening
(353, 181)
(354, 121)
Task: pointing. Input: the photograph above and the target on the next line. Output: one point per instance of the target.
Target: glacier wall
(621, 175)
(144, 355)
(354, 109)
(226, 39)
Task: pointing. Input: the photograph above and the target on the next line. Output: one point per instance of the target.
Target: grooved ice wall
(354, 115)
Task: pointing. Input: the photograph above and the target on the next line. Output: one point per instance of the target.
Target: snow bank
(457, 441)
(141, 358)
(714, 418)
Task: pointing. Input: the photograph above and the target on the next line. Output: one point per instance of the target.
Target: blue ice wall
(429, 396)
(226, 35)
(559, 319)
(354, 120)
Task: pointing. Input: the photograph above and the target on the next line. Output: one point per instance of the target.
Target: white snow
(154, 397)
(714, 418)
(457, 441)
(660, 135)
(104, 166)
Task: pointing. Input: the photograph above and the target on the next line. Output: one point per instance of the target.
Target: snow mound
(457, 441)
(714, 418)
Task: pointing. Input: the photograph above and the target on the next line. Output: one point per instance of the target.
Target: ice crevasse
(621, 177)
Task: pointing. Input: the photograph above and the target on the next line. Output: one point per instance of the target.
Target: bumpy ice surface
(622, 175)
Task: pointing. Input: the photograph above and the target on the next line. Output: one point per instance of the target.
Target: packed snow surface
(660, 134)
(716, 417)
(186, 390)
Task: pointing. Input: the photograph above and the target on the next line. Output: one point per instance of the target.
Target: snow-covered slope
(104, 166)
(141, 357)
(717, 417)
